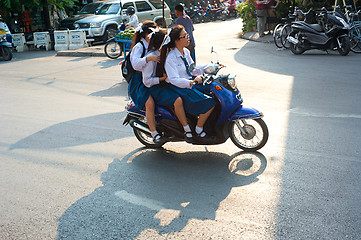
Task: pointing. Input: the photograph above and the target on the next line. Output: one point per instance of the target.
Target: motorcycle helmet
(130, 11)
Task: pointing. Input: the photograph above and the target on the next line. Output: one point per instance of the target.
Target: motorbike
(229, 119)
(330, 33)
(218, 13)
(5, 46)
(195, 14)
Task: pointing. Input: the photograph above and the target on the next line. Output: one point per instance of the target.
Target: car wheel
(109, 33)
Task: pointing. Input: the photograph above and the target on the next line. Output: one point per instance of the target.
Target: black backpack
(127, 68)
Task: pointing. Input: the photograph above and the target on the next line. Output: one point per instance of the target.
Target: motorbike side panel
(160, 112)
(246, 113)
(316, 39)
(229, 101)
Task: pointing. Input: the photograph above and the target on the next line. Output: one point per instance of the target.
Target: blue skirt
(138, 91)
(163, 96)
(194, 101)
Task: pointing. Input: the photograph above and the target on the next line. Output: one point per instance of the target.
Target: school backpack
(126, 66)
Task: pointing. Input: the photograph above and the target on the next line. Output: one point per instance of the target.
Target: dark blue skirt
(163, 96)
(138, 91)
(194, 101)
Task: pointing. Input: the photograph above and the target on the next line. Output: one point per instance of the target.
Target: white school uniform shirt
(149, 71)
(176, 70)
(133, 21)
(139, 63)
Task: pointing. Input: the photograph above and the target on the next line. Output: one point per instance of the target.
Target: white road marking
(141, 201)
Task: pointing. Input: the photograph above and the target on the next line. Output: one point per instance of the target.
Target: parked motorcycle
(5, 46)
(195, 14)
(229, 119)
(331, 33)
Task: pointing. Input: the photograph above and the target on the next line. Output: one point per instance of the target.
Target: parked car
(104, 24)
(88, 10)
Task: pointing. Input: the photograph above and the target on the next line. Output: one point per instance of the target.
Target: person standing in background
(261, 13)
(184, 20)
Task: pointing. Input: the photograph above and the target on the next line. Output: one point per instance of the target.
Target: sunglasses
(185, 36)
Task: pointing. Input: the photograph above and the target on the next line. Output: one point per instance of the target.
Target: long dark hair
(157, 39)
(174, 35)
(146, 27)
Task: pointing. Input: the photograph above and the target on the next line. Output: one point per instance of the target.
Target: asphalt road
(69, 169)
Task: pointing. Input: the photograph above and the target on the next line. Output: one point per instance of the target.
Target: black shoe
(188, 139)
(158, 139)
(204, 139)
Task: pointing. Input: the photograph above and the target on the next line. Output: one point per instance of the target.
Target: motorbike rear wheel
(285, 31)
(6, 53)
(345, 46)
(297, 49)
(277, 35)
(113, 49)
(249, 135)
(146, 139)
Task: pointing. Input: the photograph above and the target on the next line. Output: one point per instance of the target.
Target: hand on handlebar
(198, 79)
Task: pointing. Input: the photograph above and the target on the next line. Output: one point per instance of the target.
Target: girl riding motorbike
(175, 58)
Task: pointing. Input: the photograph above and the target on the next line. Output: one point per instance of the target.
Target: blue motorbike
(5, 46)
(229, 119)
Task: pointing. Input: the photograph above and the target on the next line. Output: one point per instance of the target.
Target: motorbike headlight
(232, 82)
(95, 25)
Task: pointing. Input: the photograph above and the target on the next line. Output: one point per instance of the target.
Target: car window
(109, 9)
(143, 6)
(156, 3)
(126, 5)
(89, 8)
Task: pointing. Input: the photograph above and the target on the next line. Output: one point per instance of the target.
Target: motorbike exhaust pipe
(139, 125)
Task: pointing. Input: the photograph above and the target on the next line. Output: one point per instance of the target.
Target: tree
(15, 4)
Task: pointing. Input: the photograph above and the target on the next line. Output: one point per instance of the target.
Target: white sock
(188, 131)
(199, 130)
(154, 133)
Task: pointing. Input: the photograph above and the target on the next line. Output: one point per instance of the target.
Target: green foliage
(247, 12)
(17, 4)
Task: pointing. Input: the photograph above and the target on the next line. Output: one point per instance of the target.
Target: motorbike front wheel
(344, 47)
(6, 53)
(249, 134)
(146, 139)
(113, 49)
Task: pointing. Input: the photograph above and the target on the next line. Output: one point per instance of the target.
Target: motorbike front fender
(6, 44)
(246, 113)
(111, 39)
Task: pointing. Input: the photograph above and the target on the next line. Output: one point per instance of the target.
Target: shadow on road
(159, 190)
(118, 89)
(27, 55)
(99, 128)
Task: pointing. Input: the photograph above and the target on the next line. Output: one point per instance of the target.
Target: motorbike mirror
(212, 51)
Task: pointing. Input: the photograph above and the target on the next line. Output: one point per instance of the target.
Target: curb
(254, 36)
(94, 51)
(80, 54)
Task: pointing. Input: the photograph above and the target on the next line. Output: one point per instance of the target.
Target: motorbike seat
(316, 27)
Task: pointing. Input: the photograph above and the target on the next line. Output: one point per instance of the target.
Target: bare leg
(203, 118)
(179, 111)
(149, 113)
